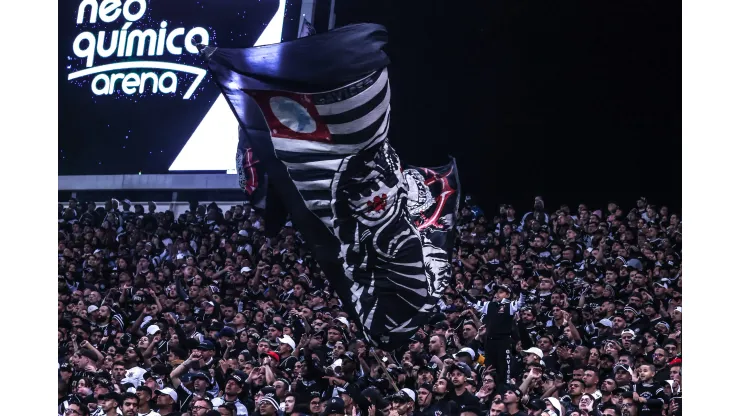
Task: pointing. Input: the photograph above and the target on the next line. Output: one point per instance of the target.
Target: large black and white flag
(317, 111)
(433, 202)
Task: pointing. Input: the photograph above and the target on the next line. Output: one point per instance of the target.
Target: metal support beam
(307, 10)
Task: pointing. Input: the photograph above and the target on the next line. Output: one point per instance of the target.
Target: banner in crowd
(317, 112)
(252, 175)
(433, 201)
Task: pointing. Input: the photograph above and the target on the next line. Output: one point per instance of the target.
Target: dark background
(574, 101)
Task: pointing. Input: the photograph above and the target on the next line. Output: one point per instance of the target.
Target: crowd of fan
(203, 315)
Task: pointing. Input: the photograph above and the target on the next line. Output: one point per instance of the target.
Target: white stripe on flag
(331, 164)
(313, 185)
(357, 100)
(364, 121)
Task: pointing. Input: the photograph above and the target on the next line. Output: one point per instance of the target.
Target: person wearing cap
(235, 383)
(623, 377)
(201, 382)
(457, 373)
(268, 405)
(285, 351)
(109, 403)
(403, 402)
(467, 355)
(604, 331)
(167, 402)
(499, 318)
(511, 397)
(335, 407)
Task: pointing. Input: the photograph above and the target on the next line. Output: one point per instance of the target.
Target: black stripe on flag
(357, 112)
(316, 195)
(299, 175)
(363, 135)
(296, 157)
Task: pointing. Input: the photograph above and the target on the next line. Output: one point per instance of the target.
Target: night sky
(574, 102)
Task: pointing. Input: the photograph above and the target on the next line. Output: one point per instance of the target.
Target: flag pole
(385, 369)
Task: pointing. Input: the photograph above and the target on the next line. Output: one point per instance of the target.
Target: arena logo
(133, 76)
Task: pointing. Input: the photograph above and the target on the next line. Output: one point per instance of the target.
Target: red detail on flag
(278, 129)
(378, 203)
(447, 192)
(250, 171)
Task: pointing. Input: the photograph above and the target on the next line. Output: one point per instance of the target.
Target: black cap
(442, 325)
(112, 395)
(335, 405)
(464, 368)
(504, 287)
(206, 345)
(239, 377)
(200, 375)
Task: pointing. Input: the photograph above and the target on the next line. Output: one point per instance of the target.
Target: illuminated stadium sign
(127, 42)
(133, 81)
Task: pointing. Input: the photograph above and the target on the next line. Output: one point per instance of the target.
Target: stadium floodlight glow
(213, 143)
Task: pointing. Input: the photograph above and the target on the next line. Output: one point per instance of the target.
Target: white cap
(243, 233)
(534, 350)
(410, 393)
(606, 322)
(127, 201)
(167, 242)
(285, 339)
(343, 320)
(556, 404)
(245, 269)
(91, 309)
(466, 350)
(168, 391)
(629, 332)
(153, 329)
(289, 224)
(180, 256)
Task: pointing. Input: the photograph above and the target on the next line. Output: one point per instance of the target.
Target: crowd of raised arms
(560, 312)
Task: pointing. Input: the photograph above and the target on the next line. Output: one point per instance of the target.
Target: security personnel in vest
(499, 319)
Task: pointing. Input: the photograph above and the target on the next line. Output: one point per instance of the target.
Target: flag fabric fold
(317, 112)
(433, 202)
(252, 176)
